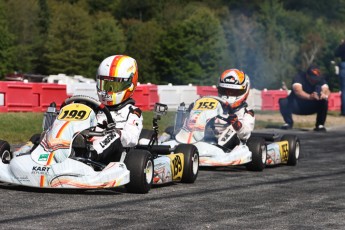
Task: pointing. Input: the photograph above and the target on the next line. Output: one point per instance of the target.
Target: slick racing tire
(140, 165)
(259, 154)
(294, 148)
(5, 152)
(191, 162)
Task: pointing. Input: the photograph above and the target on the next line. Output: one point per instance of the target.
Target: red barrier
(146, 96)
(30, 97)
(270, 99)
(51, 93)
(206, 91)
(334, 101)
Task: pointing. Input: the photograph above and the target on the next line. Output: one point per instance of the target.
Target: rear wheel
(191, 162)
(5, 152)
(259, 154)
(140, 165)
(294, 148)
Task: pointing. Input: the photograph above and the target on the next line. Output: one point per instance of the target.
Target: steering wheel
(95, 105)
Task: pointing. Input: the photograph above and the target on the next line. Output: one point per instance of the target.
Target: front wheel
(294, 148)
(191, 162)
(140, 165)
(5, 152)
(259, 154)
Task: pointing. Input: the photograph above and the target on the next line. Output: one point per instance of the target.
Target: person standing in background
(340, 52)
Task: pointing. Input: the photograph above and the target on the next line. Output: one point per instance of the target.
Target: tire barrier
(36, 97)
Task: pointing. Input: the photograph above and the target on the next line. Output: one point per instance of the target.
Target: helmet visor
(113, 84)
(231, 92)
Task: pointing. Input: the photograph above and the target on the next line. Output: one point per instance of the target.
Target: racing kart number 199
(74, 112)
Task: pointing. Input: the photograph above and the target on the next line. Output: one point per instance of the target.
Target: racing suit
(243, 125)
(128, 125)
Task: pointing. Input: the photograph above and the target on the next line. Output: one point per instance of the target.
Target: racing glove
(233, 120)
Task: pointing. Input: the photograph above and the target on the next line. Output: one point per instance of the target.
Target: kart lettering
(205, 104)
(40, 170)
(284, 151)
(74, 112)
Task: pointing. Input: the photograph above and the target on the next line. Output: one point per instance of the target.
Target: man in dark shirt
(340, 52)
(309, 95)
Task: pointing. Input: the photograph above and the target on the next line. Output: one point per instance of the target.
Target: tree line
(173, 41)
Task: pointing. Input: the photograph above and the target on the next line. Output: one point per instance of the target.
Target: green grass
(19, 127)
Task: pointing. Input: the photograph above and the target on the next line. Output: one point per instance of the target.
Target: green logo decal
(43, 157)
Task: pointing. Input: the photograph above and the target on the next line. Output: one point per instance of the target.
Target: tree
(24, 27)
(143, 40)
(193, 49)
(6, 45)
(107, 38)
(69, 45)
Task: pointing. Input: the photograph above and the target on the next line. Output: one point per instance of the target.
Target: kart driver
(117, 78)
(234, 86)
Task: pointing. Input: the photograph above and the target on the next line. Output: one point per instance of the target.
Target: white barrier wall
(173, 95)
(2, 102)
(88, 89)
(254, 99)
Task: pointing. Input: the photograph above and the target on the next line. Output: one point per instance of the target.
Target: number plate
(206, 104)
(74, 112)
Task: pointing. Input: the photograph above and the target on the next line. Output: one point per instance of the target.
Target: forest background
(173, 41)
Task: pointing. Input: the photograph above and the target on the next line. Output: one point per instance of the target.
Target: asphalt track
(310, 195)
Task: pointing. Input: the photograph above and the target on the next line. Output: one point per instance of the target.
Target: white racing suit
(243, 130)
(128, 125)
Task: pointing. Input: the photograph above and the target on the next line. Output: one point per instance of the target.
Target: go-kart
(179, 163)
(61, 157)
(261, 149)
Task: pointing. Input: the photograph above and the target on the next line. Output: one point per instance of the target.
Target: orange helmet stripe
(113, 68)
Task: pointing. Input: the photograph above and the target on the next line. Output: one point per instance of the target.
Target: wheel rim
(263, 154)
(297, 150)
(195, 163)
(6, 156)
(149, 171)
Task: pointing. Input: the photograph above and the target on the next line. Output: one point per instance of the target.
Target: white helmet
(117, 78)
(234, 86)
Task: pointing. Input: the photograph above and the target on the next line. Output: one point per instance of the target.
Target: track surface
(310, 195)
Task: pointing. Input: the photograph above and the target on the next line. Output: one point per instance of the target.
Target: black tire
(191, 162)
(146, 134)
(257, 146)
(294, 148)
(5, 152)
(140, 165)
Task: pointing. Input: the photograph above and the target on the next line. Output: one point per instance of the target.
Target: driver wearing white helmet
(234, 86)
(117, 78)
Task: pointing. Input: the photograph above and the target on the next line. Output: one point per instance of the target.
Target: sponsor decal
(43, 157)
(42, 170)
